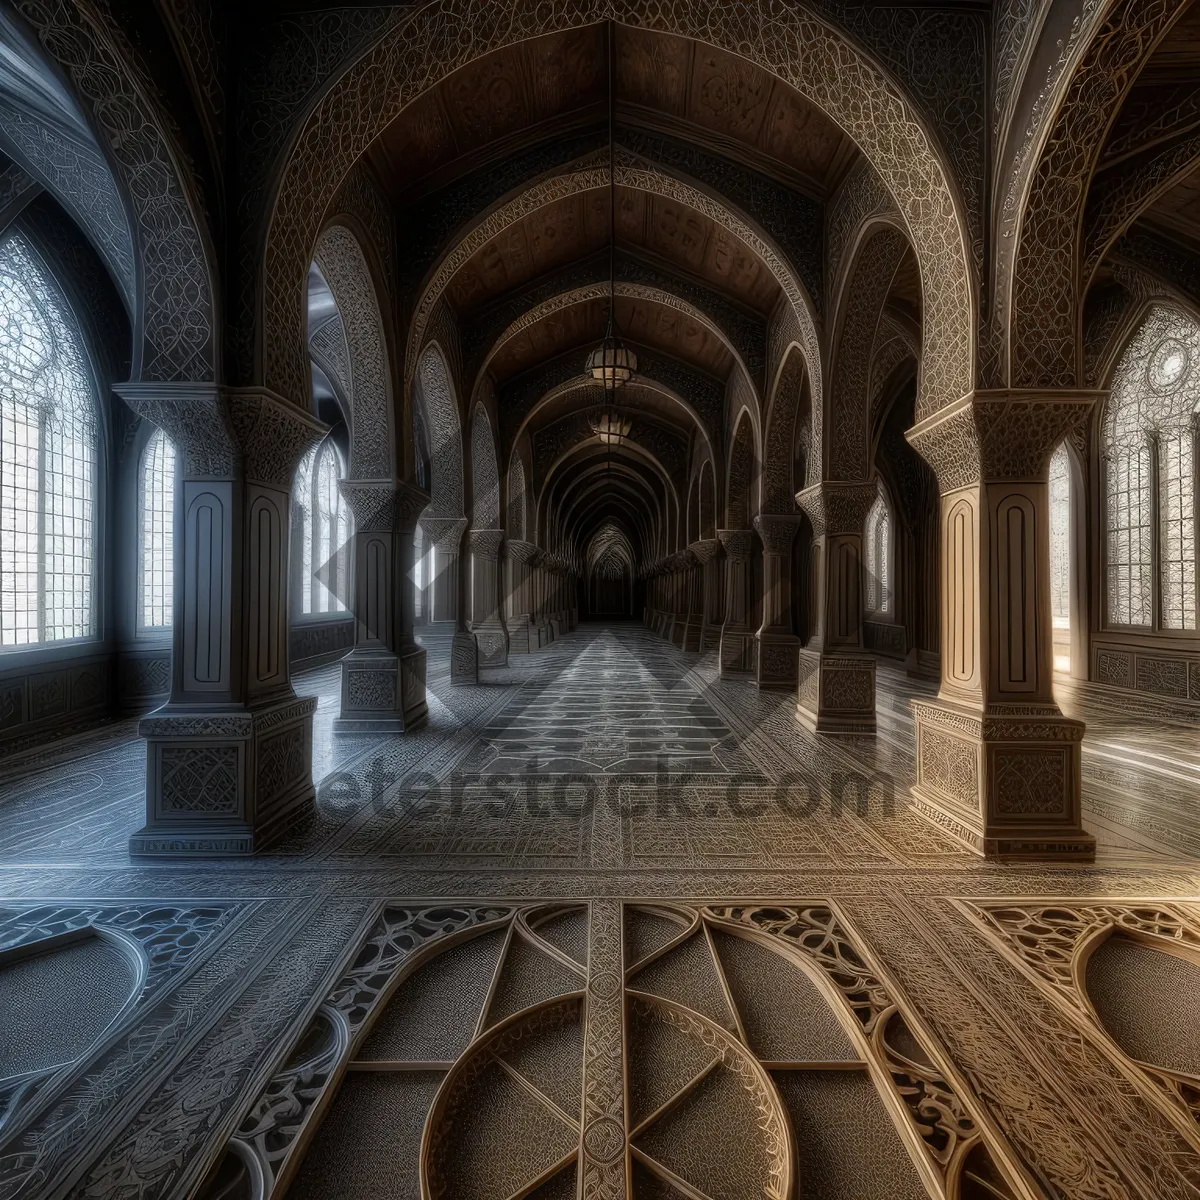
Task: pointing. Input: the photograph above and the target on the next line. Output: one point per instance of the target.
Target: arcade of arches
(598, 599)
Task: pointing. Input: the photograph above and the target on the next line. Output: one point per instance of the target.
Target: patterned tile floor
(608, 765)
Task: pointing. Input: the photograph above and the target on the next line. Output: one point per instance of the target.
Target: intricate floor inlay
(646, 909)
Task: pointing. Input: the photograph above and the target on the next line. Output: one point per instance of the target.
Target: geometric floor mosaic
(605, 925)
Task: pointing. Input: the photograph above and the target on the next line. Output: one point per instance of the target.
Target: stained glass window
(321, 533)
(157, 505)
(1149, 445)
(878, 556)
(47, 460)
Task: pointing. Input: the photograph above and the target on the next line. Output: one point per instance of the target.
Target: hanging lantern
(611, 364)
(611, 426)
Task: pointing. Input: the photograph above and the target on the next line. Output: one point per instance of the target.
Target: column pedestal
(835, 674)
(738, 646)
(522, 632)
(229, 756)
(491, 637)
(998, 765)
(778, 646)
(450, 591)
(383, 677)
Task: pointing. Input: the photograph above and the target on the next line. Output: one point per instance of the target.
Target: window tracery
(156, 526)
(321, 533)
(878, 556)
(1149, 436)
(47, 460)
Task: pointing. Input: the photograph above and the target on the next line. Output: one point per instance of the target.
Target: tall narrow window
(878, 557)
(47, 460)
(321, 533)
(1149, 436)
(157, 526)
(1060, 556)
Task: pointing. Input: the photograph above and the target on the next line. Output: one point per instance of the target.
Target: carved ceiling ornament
(176, 338)
(341, 261)
(788, 41)
(1043, 344)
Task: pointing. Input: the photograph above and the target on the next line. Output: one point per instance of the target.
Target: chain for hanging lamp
(611, 364)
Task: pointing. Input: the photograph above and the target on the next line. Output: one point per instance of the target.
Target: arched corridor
(598, 600)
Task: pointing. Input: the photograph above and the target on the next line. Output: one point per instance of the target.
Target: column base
(1006, 783)
(691, 636)
(382, 692)
(778, 660)
(522, 635)
(492, 642)
(545, 633)
(835, 692)
(464, 659)
(738, 652)
(227, 781)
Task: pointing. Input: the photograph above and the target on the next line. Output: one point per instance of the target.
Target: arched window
(1149, 437)
(48, 460)
(878, 538)
(321, 533)
(156, 506)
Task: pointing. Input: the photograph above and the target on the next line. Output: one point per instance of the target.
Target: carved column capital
(226, 431)
(272, 433)
(776, 531)
(195, 418)
(738, 544)
(485, 543)
(383, 505)
(522, 551)
(835, 508)
(705, 550)
(1007, 433)
(444, 533)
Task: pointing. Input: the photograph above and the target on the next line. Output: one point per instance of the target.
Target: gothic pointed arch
(485, 479)
(791, 42)
(879, 251)
(343, 265)
(176, 319)
(433, 393)
(740, 488)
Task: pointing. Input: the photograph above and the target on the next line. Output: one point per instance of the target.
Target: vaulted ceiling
(693, 297)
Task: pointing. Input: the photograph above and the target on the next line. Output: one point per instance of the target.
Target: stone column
(706, 554)
(681, 600)
(522, 632)
(383, 677)
(449, 593)
(737, 637)
(836, 676)
(998, 765)
(229, 756)
(486, 623)
(778, 646)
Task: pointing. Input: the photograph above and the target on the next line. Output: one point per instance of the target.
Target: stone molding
(837, 508)
(1000, 434)
(383, 505)
(737, 544)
